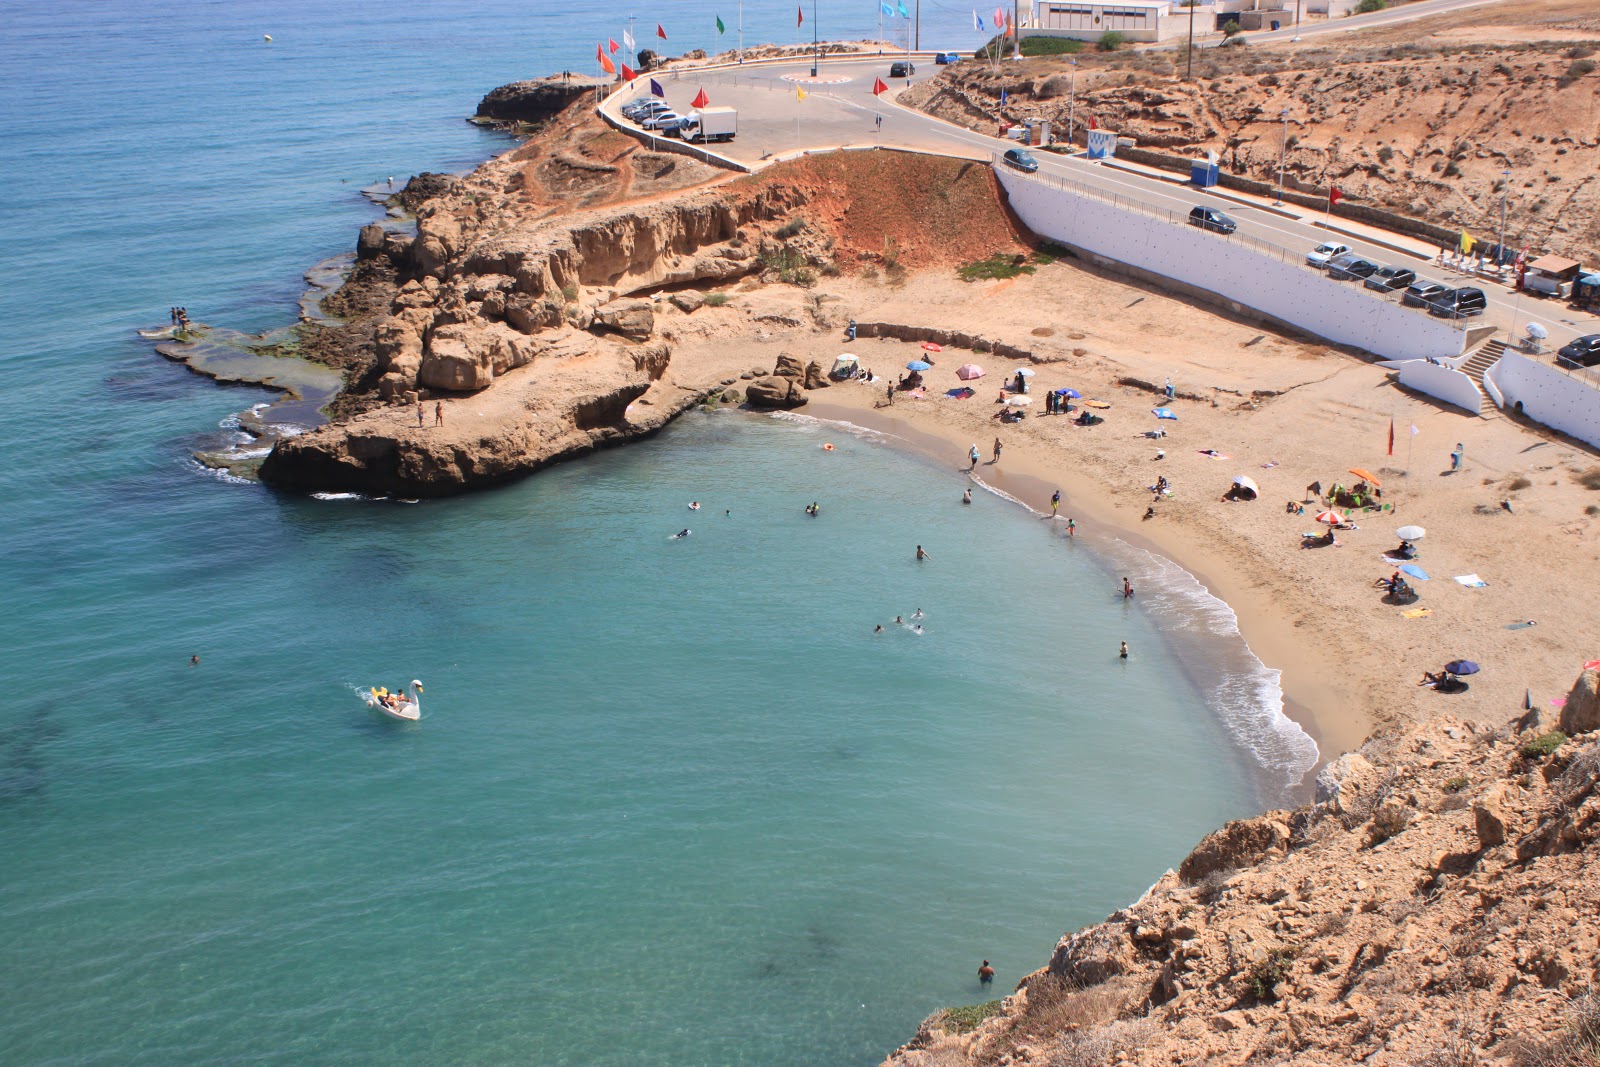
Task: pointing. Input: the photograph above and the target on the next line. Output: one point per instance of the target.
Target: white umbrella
(1025, 372)
(1019, 401)
(845, 358)
(1245, 483)
(1411, 533)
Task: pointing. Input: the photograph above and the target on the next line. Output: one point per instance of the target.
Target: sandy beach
(1284, 411)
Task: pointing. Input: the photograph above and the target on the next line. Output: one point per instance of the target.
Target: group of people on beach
(180, 317)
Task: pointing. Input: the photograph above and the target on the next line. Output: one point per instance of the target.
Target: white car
(1319, 256)
(660, 119)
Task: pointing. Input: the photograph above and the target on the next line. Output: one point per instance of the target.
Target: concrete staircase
(1481, 360)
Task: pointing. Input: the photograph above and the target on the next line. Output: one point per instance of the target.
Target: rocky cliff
(535, 101)
(1436, 905)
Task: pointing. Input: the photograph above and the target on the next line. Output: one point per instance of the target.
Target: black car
(1419, 292)
(1584, 352)
(1209, 218)
(1354, 270)
(1458, 303)
(902, 69)
(1388, 279)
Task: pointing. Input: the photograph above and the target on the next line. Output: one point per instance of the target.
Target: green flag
(720, 27)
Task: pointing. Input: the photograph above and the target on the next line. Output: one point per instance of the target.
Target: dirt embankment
(1434, 907)
(1425, 125)
(533, 285)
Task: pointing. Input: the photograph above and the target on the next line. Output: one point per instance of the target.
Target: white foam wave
(1003, 495)
(338, 496)
(864, 433)
(248, 453)
(219, 473)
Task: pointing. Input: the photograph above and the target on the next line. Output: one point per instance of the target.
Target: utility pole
(1072, 98)
(1296, 36)
(917, 32)
(1016, 36)
(1283, 148)
(1505, 187)
(741, 31)
(1190, 75)
(816, 45)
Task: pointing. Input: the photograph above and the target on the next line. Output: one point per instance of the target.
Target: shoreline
(1025, 478)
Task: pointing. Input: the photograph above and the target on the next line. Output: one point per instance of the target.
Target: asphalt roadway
(841, 111)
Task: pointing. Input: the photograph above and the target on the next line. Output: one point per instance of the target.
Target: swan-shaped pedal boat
(407, 706)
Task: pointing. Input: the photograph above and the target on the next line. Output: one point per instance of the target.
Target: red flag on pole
(1391, 435)
(605, 60)
(612, 41)
(1334, 195)
(628, 73)
(661, 33)
(700, 99)
(799, 16)
(1092, 124)
(878, 86)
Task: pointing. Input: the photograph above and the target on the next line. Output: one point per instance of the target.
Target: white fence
(1265, 277)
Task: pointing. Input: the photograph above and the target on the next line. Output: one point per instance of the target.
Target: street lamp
(1072, 99)
(1283, 148)
(816, 48)
(1505, 187)
(1190, 75)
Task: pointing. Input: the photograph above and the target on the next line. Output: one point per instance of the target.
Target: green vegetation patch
(1031, 46)
(1544, 744)
(966, 1019)
(1264, 976)
(1456, 784)
(1004, 265)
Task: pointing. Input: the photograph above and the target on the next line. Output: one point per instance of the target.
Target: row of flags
(898, 8)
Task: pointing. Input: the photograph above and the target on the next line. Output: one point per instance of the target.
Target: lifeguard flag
(721, 29)
(612, 43)
(878, 86)
(1391, 435)
(605, 60)
(1334, 195)
(1092, 124)
(660, 32)
(999, 18)
(628, 73)
(700, 99)
(799, 16)
(656, 90)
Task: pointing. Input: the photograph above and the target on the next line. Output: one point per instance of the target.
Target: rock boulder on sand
(633, 319)
(1582, 712)
(775, 392)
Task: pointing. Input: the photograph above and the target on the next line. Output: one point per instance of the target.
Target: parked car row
(1344, 265)
(705, 124)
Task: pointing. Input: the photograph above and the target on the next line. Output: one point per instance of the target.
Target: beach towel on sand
(1417, 613)
(1472, 581)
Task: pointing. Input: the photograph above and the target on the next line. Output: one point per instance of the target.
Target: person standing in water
(1127, 589)
(1055, 503)
(966, 496)
(922, 555)
(1124, 653)
(985, 973)
(1072, 528)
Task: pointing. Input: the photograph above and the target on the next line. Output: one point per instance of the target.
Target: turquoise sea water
(671, 801)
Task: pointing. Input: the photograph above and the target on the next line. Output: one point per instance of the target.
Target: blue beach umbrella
(1415, 571)
(918, 364)
(1073, 393)
(1461, 666)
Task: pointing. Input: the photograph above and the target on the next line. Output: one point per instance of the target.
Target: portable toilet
(1204, 173)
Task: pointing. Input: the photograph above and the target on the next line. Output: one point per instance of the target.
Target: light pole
(1072, 99)
(1190, 75)
(816, 47)
(1283, 148)
(1296, 36)
(1505, 187)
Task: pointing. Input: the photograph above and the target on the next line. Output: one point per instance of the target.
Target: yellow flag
(1467, 241)
(799, 94)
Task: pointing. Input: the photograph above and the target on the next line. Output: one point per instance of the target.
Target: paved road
(840, 110)
(1351, 23)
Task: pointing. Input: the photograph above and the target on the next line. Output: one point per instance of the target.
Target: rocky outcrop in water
(534, 101)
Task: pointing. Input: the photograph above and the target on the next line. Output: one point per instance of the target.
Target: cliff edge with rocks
(1436, 905)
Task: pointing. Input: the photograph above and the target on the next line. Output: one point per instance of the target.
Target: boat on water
(406, 706)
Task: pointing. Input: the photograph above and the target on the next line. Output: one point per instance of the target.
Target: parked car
(1319, 256)
(660, 120)
(1419, 292)
(1458, 303)
(1016, 157)
(1341, 260)
(1388, 279)
(1584, 352)
(644, 107)
(902, 69)
(1354, 270)
(1209, 218)
(946, 58)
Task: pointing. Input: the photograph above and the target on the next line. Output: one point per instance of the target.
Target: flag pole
(741, 31)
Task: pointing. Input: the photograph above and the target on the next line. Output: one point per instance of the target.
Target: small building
(1142, 21)
(1254, 14)
(1553, 275)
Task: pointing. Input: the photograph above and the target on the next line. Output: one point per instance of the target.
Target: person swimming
(694, 505)
(966, 497)
(918, 614)
(899, 621)
(878, 629)
(681, 533)
(917, 630)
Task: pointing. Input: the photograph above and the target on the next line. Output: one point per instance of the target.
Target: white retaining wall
(1446, 383)
(1547, 395)
(1342, 312)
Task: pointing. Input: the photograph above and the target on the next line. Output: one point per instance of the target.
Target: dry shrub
(1097, 1048)
(1056, 1004)
(939, 1057)
(1590, 479)
(1577, 1046)
(1519, 482)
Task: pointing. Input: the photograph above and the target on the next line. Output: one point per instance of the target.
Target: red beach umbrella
(929, 346)
(1332, 518)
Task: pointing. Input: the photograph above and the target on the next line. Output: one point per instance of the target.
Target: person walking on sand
(438, 412)
(1055, 503)
(985, 973)
(921, 554)
(419, 414)
(1123, 654)
(972, 454)
(997, 450)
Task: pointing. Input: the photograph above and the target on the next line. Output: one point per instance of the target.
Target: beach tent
(1245, 487)
(844, 364)
(1163, 413)
(969, 372)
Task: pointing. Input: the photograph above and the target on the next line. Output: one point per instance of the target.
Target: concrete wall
(1437, 380)
(1558, 400)
(1285, 291)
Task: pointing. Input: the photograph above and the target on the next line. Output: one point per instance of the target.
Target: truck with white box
(712, 124)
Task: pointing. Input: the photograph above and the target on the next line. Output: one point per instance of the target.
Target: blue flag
(903, 12)
(1002, 98)
(887, 10)
(977, 23)
(656, 90)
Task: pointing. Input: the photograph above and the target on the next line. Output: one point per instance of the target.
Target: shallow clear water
(671, 801)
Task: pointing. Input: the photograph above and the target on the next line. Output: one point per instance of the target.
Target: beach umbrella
(1411, 533)
(1163, 413)
(1072, 393)
(1025, 372)
(1591, 665)
(969, 371)
(845, 358)
(1332, 518)
(919, 365)
(1019, 401)
(1244, 482)
(929, 346)
(1461, 666)
(1414, 571)
(1362, 472)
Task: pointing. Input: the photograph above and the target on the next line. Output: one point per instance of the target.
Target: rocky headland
(1435, 906)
